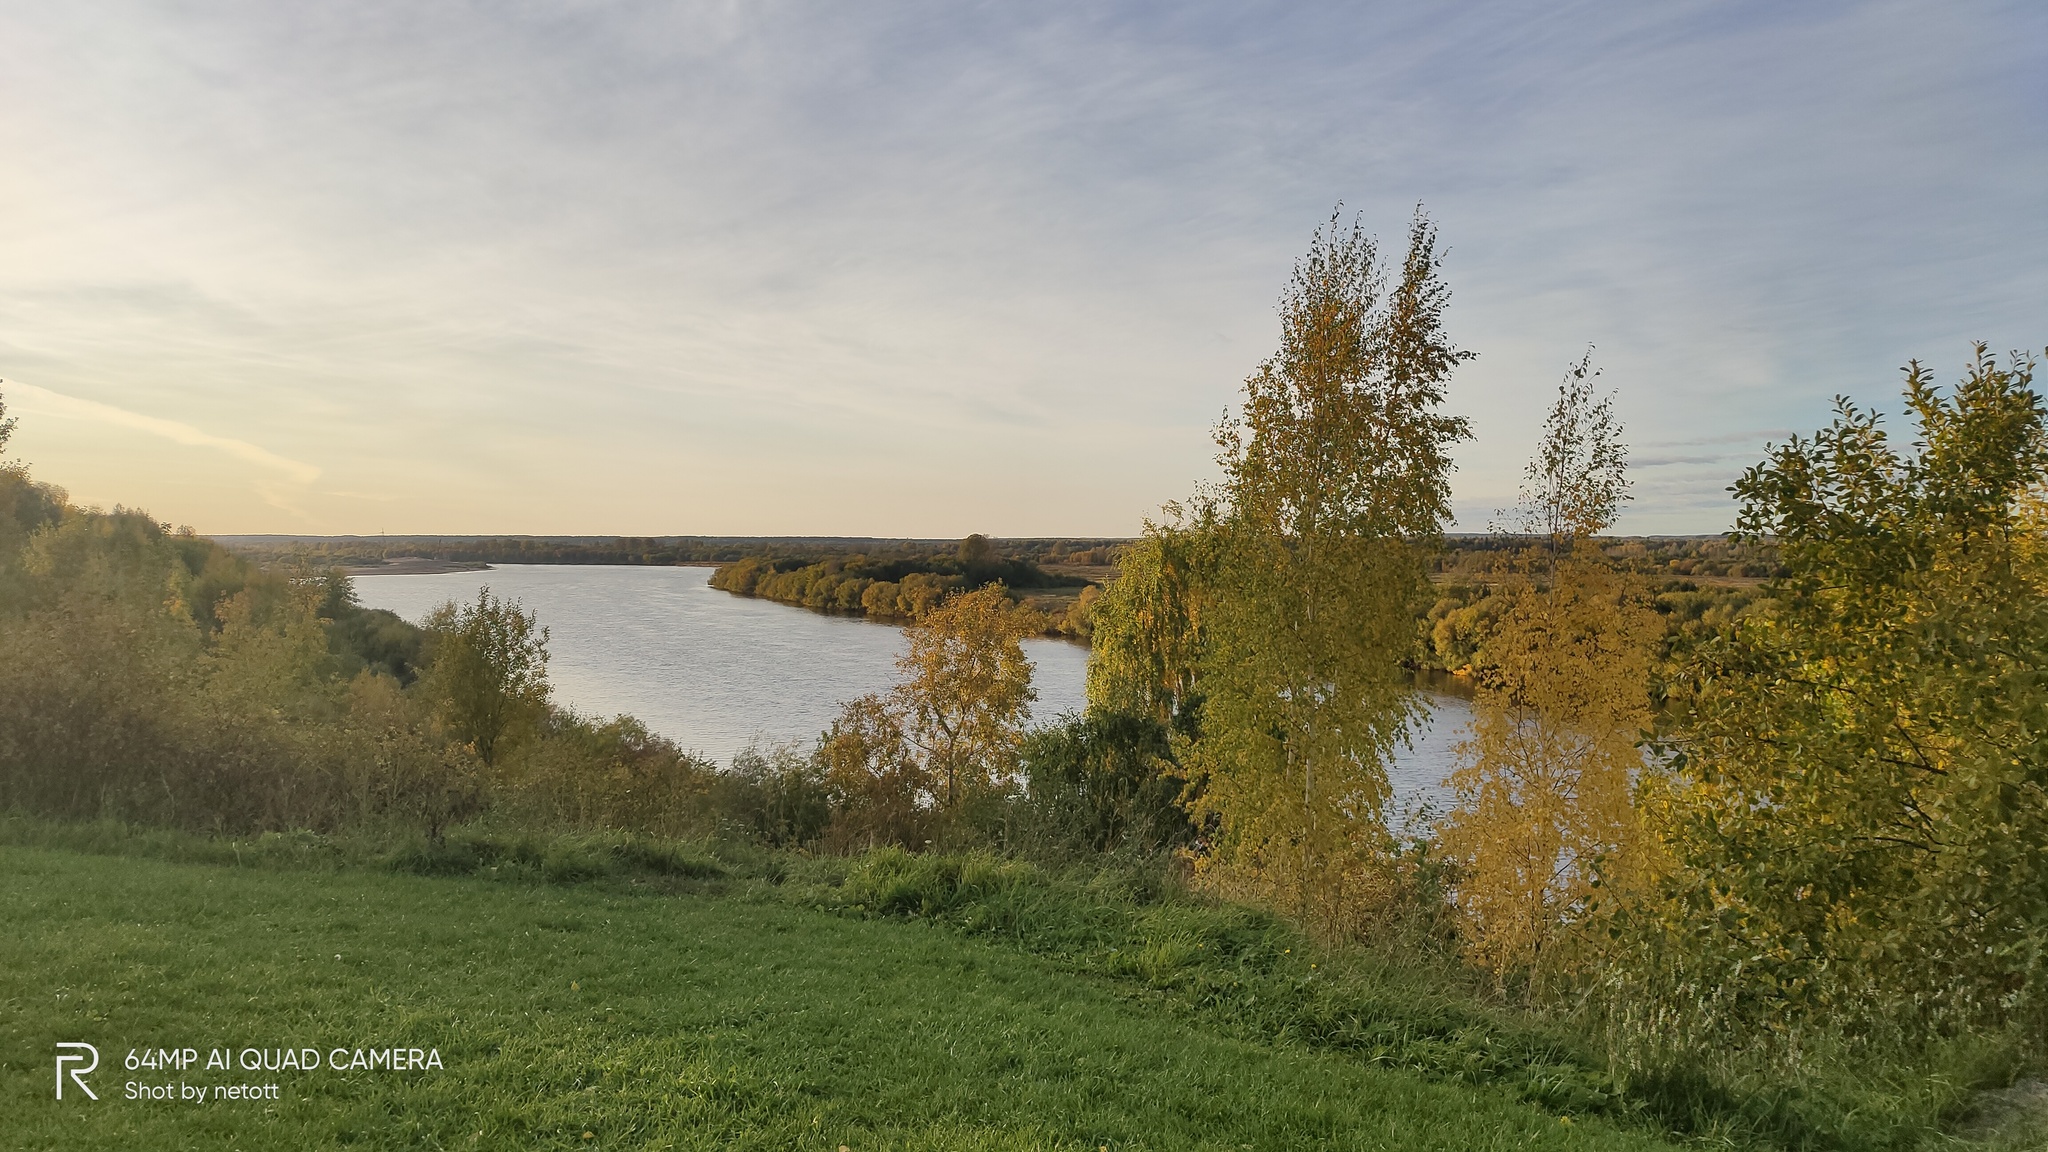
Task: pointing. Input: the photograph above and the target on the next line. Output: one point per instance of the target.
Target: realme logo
(75, 1053)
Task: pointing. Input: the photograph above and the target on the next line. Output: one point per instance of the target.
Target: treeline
(905, 587)
(371, 551)
(1694, 584)
(1705, 559)
(1462, 558)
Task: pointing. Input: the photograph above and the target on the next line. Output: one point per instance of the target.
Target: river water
(715, 672)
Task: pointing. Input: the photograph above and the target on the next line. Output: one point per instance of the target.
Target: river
(715, 672)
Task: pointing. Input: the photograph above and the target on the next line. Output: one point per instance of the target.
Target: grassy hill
(632, 1012)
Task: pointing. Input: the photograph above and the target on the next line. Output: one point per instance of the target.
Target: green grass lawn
(595, 1017)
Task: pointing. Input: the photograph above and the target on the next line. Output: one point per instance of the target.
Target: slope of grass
(592, 1016)
(1412, 1006)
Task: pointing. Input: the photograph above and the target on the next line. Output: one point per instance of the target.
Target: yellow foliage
(966, 690)
(1545, 786)
(1147, 625)
(948, 730)
(1336, 485)
(1545, 816)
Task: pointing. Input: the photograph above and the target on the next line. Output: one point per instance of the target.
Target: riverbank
(413, 566)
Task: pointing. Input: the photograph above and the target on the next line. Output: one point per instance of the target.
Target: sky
(903, 269)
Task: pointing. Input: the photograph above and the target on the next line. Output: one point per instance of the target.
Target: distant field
(1094, 573)
(584, 1017)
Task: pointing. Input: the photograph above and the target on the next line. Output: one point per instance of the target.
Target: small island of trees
(906, 586)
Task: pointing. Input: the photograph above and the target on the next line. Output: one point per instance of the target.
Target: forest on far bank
(374, 551)
(1054, 581)
(1465, 555)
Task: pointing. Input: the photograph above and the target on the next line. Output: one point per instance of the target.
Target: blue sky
(902, 269)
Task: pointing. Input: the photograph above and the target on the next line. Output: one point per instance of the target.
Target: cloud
(1669, 461)
(906, 268)
(42, 400)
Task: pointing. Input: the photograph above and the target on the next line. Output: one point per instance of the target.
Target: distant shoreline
(414, 566)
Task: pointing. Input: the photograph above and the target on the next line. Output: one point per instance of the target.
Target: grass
(1405, 1004)
(666, 1000)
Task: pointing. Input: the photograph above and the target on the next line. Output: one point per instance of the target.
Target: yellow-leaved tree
(1545, 812)
(1859, 798)
(906, 764)
(1336, 484)
(966, 692)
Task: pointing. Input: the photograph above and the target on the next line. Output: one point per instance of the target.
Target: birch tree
(1544, 787)
(1147, 624)
(966, 692)
(1336, 483)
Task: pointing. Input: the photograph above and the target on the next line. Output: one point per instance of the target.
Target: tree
(947, 732)
(966, 691)
(1099, 783)
(488, 669)
(398, 766)
(1861, 795)
(976, 552)
(1574, 486)
(1545, 808)
(25, 506)
(1336, 481)
(1146, 625)
(881, 791)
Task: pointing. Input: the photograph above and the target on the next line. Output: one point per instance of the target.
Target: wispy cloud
(914, 268)
(44, 401)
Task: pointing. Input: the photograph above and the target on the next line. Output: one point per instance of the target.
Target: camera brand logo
(77, 1053)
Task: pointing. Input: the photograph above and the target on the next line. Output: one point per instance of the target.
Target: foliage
(1545, 816)
(884, 793)
(1099, 784)
(782, 796)
(1706, 559)
(1545, 819)
(1455, 629)
(1147, 633)
(489, 670)
(399, 765)
(369, 638)
(153, 676)
(1576, 482)
(1863, 784)
(1453, 632)
(1336, 483)
(901, 587)
(965, 693)
(912, 761)
(574, 772)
